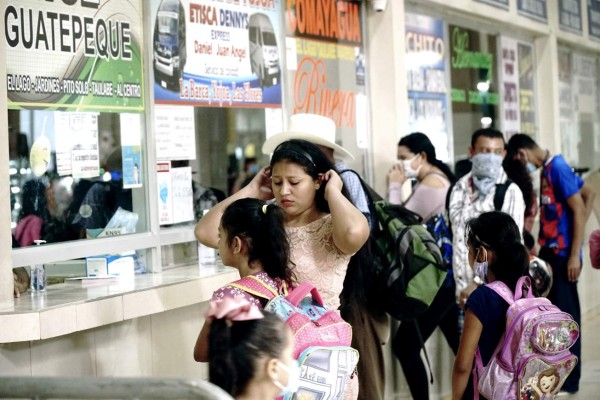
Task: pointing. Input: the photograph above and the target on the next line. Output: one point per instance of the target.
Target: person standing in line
(418, 161)
(367, 323)
(474, 194)
(252, 239)
(566, 204)
(323, 226)
(495, 253)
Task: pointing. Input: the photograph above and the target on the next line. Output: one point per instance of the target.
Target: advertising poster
(426, 70)
(165, 193)
(568, 131)
(497, 3)
(131, 150)
(175, 133)
(534, 9)
(74, 55)
(325, 62)
(509, 72)
(584, 99)
(183, 195)
(569, 16)
(217, 53)
(594, 19)
(527, 105)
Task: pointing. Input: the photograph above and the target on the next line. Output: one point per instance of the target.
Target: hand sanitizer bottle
(38, 274)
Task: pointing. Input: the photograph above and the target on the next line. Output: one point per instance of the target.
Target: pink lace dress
(319, 262)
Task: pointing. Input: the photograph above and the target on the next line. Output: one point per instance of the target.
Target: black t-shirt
(490, 309)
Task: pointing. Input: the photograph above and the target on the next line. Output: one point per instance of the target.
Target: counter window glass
(75, 175)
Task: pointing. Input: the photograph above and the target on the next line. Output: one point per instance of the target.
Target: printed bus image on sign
(169, 44)
(264, 55)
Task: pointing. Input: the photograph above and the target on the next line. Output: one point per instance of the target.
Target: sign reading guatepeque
(91, 52)
(217, 53)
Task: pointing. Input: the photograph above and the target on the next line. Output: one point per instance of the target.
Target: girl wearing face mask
(495, 252)
(417, 160)
(250, 354)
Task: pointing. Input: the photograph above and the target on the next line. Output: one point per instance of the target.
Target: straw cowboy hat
(312, 128)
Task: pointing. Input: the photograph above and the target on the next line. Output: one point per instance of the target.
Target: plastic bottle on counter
(38, 274)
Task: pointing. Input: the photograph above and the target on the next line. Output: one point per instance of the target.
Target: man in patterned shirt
(566, 203)
(473, 195)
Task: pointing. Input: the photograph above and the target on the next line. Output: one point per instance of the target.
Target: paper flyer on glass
(217, 53)
(74, 55)
(131, 150)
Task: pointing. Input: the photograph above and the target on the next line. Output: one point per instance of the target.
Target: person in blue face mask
(474, 194)
(495, 252)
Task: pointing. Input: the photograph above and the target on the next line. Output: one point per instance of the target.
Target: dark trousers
(407, 346)
(563, 294)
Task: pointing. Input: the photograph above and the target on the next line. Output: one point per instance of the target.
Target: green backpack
(409, 264)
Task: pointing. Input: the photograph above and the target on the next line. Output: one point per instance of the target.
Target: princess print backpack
(322, 338)
(532, 359)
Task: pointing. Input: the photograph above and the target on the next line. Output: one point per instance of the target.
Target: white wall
(155, 346)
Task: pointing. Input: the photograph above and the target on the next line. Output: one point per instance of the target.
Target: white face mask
(293, 381)
(481, 268)
(409, 172)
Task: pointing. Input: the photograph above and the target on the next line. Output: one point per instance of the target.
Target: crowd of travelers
(303, 218)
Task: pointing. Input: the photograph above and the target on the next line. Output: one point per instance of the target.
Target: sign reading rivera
(67, 54)
(216, 53)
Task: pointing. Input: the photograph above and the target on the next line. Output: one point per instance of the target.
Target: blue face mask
(531, 168)
(485, 171)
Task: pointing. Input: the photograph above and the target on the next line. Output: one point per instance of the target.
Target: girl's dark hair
(498, 232)
(263, 232)
(312, 160)
(235, 347)
(418, 142)
(517, 172)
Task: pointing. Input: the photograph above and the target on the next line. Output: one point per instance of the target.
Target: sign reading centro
(91, 50)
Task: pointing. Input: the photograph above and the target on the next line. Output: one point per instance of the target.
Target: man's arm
(577, 206)
(514, 205)
(588, 196)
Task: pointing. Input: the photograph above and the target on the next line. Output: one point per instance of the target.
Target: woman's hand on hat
(260, 185)
(396, 174)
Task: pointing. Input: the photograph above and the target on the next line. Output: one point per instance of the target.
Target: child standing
(495, 252)
(253, 240)
(250, 354)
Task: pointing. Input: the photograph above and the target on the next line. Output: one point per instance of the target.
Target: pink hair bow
(233, 309)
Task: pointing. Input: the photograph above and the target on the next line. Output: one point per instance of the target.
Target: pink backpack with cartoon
(532, 359)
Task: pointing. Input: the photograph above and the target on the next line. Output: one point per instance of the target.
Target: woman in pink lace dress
(324, 228)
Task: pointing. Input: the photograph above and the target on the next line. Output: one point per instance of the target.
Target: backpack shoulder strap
(500, 194)
(256, 287)
(503, 291)
(448, 194)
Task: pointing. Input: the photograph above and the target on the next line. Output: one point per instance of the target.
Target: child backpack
(321, 337)
(412, 268)
(532, 359)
